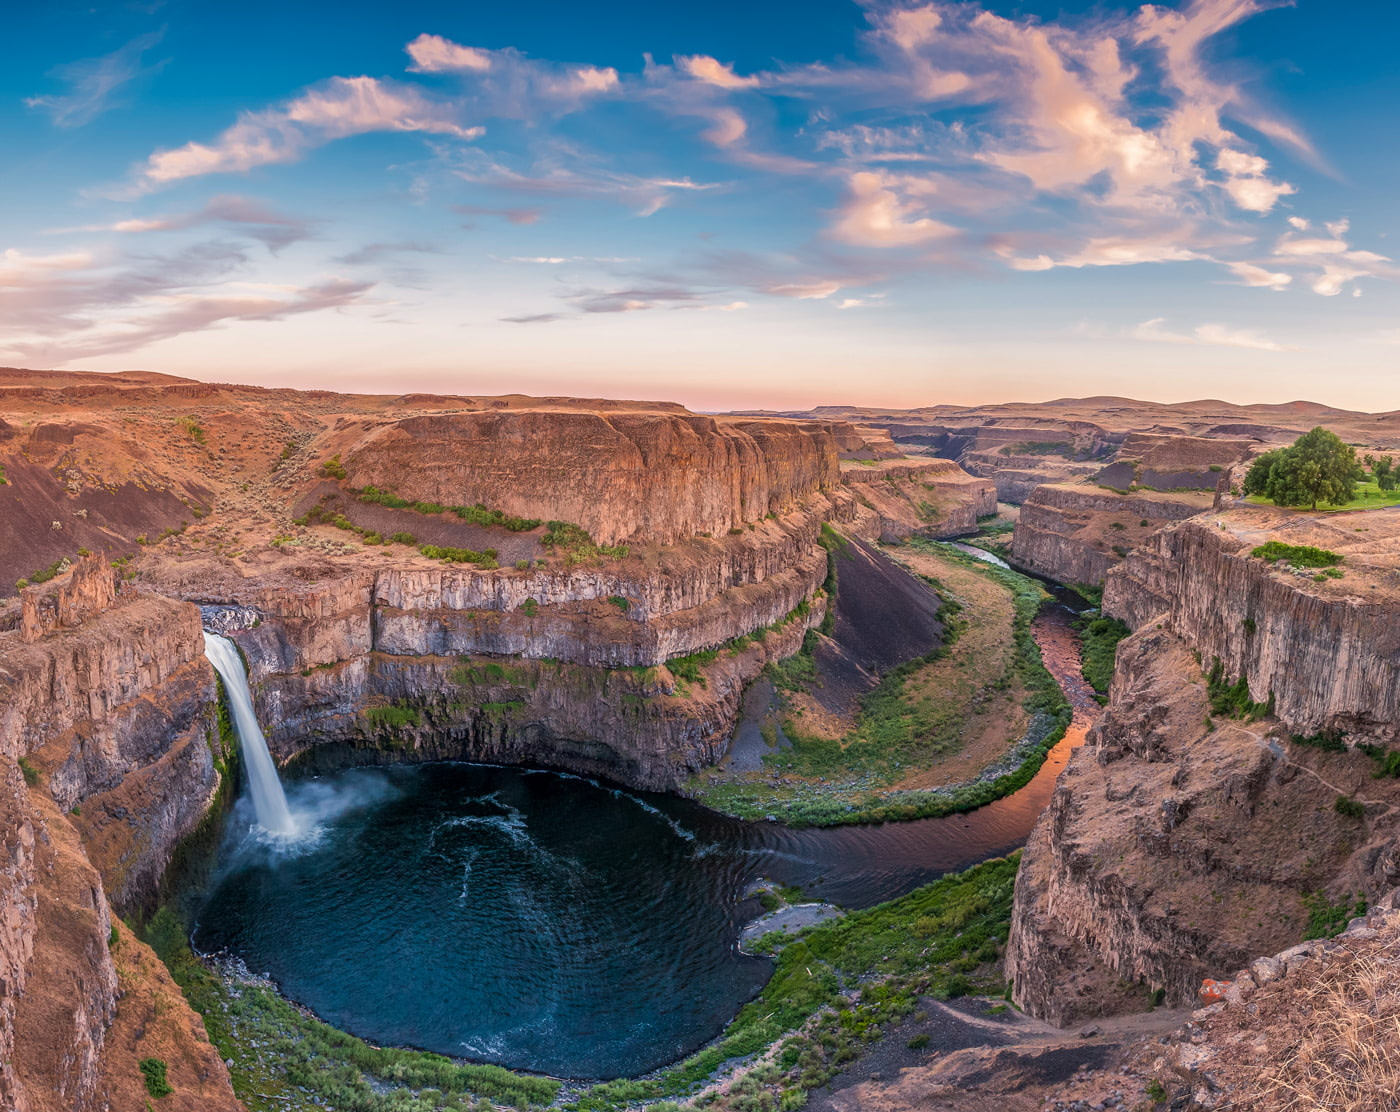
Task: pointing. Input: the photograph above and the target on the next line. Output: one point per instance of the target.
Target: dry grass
(1343, 1053)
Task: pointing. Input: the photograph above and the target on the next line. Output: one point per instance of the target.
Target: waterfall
(269, 801)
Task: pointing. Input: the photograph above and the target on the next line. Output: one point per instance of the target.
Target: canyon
(591, 586)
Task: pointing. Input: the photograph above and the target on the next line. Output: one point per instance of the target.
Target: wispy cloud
(58, 308)
(340, 107)
(95, 84)
(243, 214)
(373, 253)
(1215, 335)
(510, 215)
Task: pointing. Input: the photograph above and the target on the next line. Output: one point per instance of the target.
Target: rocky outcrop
(1075, 533)
(1176, 847)
(1328, 653)
(105, 714)
(116, 713)
(621, 476)
(920, 497)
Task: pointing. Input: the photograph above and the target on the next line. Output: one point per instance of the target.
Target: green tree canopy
(1318, 467)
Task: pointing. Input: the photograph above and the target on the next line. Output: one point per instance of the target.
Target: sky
(732, 205)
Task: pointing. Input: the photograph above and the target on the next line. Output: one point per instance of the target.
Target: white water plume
(269, 800)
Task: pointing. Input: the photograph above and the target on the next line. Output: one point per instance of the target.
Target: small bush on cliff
(620, 602)
(30, 773)
(1233, 700)
(3, 480)
(1326, 920)
(332, 469)
(576, 545)
(1299, 555)
(451, 555)
(153, 1071)
(1349, 808)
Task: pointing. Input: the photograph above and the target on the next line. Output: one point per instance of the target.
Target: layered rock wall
(1075, 533)
(1180, 841)
(1328, 653)
(920, 497)
(622, 476)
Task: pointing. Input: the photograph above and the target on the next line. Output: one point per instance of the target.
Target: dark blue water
(545, 922)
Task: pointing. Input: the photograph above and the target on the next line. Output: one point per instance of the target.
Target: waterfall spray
(269, 801)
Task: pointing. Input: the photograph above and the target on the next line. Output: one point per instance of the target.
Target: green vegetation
(153, 1071)
(1039, 448)
(4, 480)
(688, 667)
(29, 772)
(332, 469)
(620, 602)
(284, 1059)
(1233, 700)
(392, 717)
(841, 985)
(1156, 1091)
(530, 607)
(1099, 638)
(574, 544)
(903, 727)
(1348, 807)
(476, 514)
(1326, 920)
(1329, 741)
(448, 554)
(1317, 468)
(191, 426)
(1299, 555)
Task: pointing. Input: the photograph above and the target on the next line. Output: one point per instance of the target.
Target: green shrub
(1299, 555)
(529, 608)
(403, 538)
(332, 468)
(30, 773)
(1100, 638)
(153, 1070)
(1233, 700)
(21, 584)
(1156, 1091)
(688, 667)
(192, 427)
(451, 555)
(1348, 807)
(1330, 741)
(3, 480)
(620, 602)
(1326, 920)
(918, 1042)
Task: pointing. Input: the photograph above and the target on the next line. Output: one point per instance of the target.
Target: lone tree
(1317, 467)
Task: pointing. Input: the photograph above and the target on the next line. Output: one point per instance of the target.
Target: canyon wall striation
(1186, 837)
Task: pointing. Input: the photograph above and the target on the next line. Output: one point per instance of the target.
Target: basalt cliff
(576, 584)
(1235, 788)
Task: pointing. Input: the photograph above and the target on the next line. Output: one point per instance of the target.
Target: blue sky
(774, 204)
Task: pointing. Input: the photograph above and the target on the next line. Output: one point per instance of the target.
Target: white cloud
(704, 68)
(879, 211)
(1259, 277)
(341, 107)
(435, 54)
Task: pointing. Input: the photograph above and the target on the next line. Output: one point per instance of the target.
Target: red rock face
(622, 476)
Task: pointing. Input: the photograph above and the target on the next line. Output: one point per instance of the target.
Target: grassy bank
(938, 712)
(834, 989)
